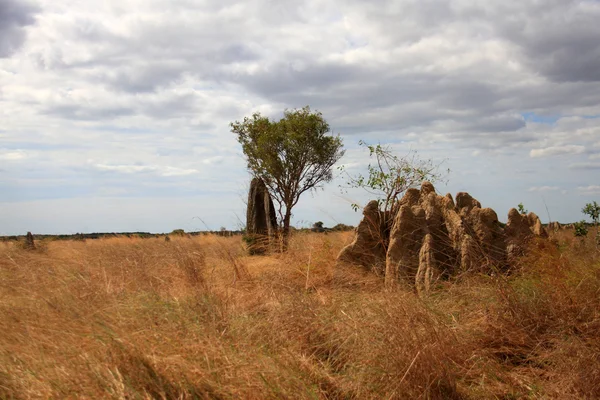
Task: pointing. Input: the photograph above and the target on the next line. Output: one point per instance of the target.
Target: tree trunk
(286, 228)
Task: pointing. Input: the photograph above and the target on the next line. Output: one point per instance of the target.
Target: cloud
(173, 171)
(12, 155)
(213, 160)
(126, 169)
(556, 151)
(557, 38)
(134, 169)
(85, 112)
(589, 190)
(15, 15)
(561, 41)
(543, 188)
(399, 65)
(146, 89)
(585, 166)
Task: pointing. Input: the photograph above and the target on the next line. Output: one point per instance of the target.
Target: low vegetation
(390, 176)
(196, 317)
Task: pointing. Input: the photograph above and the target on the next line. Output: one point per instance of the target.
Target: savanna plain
(196, 317)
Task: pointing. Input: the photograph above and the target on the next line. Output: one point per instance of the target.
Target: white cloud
(589, 190)
(556, 151)
(12, 155)
(172, 171)
(133, 169)
(543, 188)
(126, 169)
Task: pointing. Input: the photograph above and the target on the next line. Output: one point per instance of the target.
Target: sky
(114, 115)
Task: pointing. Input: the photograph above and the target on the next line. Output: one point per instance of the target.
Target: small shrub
(581, 229)
(521, 208)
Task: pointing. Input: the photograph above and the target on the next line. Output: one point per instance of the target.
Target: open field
(197, 318)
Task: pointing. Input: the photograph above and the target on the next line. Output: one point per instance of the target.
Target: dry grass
(197, 318)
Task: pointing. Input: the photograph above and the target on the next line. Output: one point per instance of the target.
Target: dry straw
(198, 318)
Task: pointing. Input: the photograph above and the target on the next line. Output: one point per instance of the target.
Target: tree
(342, 228)
(318, 227)
(390, 176)
(592, 210)
(292, 156)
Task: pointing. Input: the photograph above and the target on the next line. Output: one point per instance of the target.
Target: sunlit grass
(198, 318)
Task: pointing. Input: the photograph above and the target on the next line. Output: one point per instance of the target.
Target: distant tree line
(104, 235)
(147, 235)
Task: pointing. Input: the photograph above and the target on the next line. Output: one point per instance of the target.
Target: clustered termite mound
(426, 237)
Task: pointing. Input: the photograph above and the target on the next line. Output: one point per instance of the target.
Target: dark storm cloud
(15, 15)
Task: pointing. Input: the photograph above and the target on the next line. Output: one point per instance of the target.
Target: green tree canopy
(318, 226)
(592, 210)
(292, 155)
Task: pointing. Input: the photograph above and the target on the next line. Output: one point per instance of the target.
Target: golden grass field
(196, 318)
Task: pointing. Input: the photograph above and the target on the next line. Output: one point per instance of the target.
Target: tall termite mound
(261, 222)
(29, 242)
